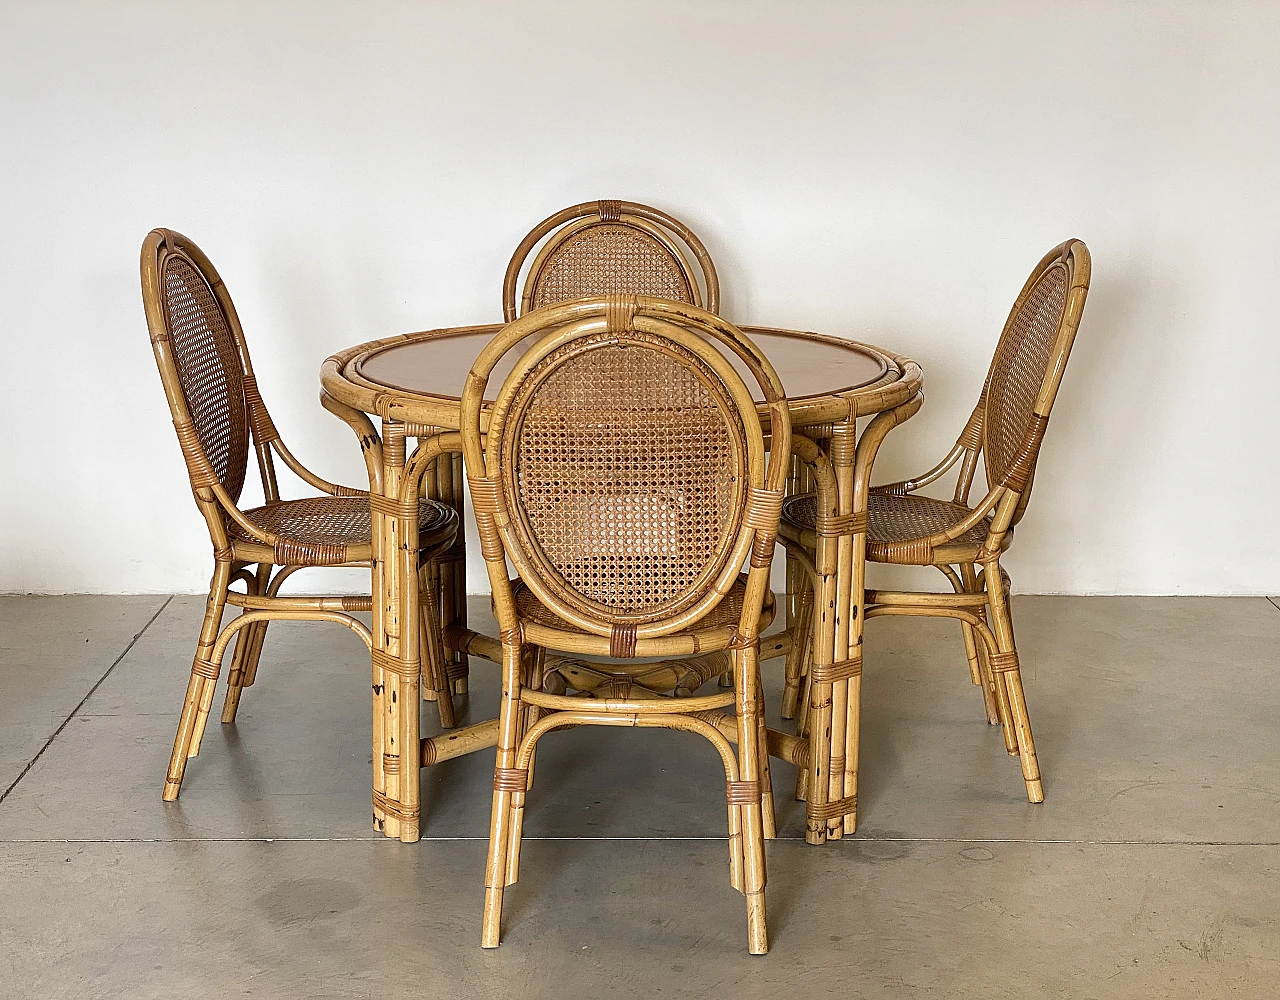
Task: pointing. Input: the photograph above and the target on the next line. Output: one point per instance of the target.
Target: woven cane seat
(895, 520)
(324, 531)
(726, 614)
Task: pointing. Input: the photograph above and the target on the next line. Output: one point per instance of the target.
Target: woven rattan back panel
(1019, 368)
(623, 460)
(209, 370)
(609, 258)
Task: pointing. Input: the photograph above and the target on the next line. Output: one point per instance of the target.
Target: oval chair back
(623, 469)
(610, 248)
(1027, 368)
(626, 473)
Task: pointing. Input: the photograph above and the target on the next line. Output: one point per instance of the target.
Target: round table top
(418, 377)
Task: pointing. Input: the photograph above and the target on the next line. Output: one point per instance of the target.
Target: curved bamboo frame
(664, 228)
(827, 416)
(623, 320)
(980, 586)
(234, 555)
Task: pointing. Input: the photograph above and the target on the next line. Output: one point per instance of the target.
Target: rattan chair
(610, 248)
(965, 541)
(623, 472)
(216, 408)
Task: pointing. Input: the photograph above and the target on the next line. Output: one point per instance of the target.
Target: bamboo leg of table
(819, 715)
(853, 702)
(429, 487)
(456, 610)
(443, 482)
(396, 659)
(842, 453)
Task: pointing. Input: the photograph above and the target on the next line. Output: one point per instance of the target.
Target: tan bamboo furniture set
(634, 458)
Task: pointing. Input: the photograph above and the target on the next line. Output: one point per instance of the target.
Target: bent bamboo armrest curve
(905, 486)
(968, 445)
(370, 442)
(870, 441)
(975, 517)
(232, 510)
(309, 477)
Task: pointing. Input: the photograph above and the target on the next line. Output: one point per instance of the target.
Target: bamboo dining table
(412, 385)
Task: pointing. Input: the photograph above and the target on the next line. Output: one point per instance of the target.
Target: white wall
(884, 171)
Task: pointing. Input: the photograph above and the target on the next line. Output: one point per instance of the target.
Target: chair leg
(768, 819)
(204, 678)
(260, 631)
(537, 677)
(976, 650)
(1009, 676)
(435, 671)
(528, 715)
(801, 639)
(244, 661)
(495, 880)
(803, 716)
(747, 685)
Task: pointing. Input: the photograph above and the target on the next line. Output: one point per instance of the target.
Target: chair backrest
(204, 364)
(1027, 368)
(624, 470)
(609, 248)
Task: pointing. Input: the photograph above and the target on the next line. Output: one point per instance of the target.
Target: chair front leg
(976, 650)
(506, 780)
(749, 794)
(434, 670)
(1004, 664)
(527, 717)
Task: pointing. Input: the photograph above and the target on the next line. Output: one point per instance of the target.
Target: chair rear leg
(1009, 676)
(200, 688)
(803, 714)
(976, 650)
(435, 671)
(801, 638)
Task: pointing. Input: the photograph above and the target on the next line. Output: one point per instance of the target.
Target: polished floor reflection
(1150, 869)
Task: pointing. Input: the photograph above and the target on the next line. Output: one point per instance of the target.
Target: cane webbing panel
(1019, 369)
(322, 525)
(610, 258)
(622, 465)
(894, 519)
(209, 371)
(726, 614)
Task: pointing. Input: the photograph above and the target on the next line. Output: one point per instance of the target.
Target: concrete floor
(1150, 870)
